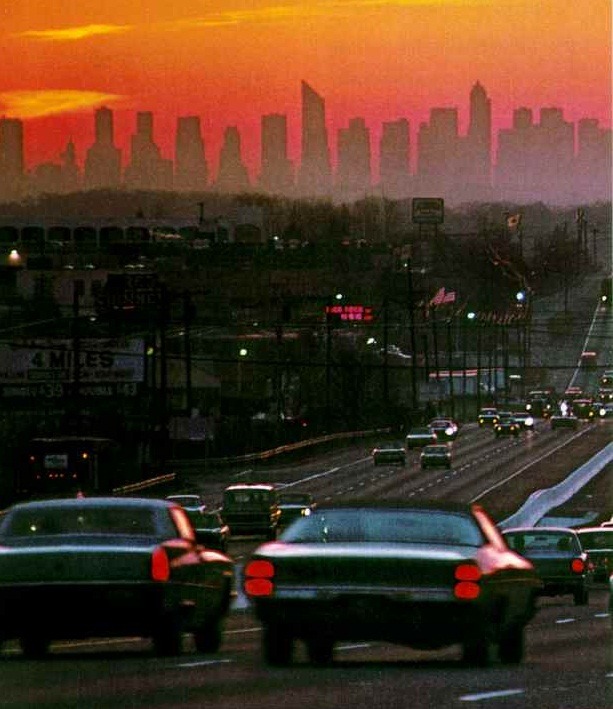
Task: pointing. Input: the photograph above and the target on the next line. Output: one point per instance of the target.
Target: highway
(568, 648)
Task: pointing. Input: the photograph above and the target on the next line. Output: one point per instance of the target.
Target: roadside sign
(428, 210)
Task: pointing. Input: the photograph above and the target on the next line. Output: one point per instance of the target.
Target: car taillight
(467, 578)
(160, 565)
(577, 565)
(258, 578)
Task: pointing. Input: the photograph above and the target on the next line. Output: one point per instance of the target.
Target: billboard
(46, 362)
(428, 210)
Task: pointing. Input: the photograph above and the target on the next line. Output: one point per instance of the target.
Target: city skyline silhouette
(540, 157)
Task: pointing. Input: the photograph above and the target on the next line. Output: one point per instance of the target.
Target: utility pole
(411, 304)
(77, 292)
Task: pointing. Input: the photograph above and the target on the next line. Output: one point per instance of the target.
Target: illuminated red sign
(356, 313)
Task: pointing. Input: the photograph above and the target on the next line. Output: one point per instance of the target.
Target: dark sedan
(420, 437)
(488, 417)
(524, 419)
(507, 427)
(446, 429)
(104, 567)
(294, 505)
(212, 531)
(422, 575)
(558, 558)
(598, 543)
(389, 454)
(438, 455)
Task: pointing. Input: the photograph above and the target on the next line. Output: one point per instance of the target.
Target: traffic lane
(567, 664)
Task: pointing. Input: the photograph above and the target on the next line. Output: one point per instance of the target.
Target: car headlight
(529, 421)
(528, 407)
(603, 412)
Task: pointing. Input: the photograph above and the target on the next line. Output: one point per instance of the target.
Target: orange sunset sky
(231, 61)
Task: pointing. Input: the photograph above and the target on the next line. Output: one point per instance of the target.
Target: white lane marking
(242, 631)
(202, 663)
(609, 675)
(561, 621)
(356, 646)
(491, 695)
(529, 465)
(601, 615)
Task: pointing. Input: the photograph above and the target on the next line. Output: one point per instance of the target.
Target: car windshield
(542, 542)
(385, 526)
(39, 522)
(420, 432)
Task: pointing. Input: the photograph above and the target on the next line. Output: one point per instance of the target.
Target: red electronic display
(355, 313)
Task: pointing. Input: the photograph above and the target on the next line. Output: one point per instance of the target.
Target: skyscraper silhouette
(191, 169)
(314, 176)
(440, 157)
(103, 159)
(593, 169)
(394, 156)
(12, 176)
(147, 169)
(232, 176)
(276, 176)
(353, 177)
(478, 153)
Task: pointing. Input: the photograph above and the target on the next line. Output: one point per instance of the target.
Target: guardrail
(542, 501)
(144, 484)
(288, 447)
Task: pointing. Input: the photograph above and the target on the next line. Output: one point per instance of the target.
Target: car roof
(392, 504)
(80, 502)
(250, 486)
(538, 530)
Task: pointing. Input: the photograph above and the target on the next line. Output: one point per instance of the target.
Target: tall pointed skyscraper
(479, 140)
(315, 175)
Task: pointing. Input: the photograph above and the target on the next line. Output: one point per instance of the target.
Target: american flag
(443, 296)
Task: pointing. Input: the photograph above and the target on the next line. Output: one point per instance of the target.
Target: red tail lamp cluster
(160, 565)
(467, 577)
(259, 575)
(577, 566)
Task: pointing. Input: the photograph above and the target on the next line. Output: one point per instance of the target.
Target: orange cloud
(36, 104)
(71, 34)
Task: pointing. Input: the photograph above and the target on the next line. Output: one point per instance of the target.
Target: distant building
(103, 160)
(276, 176)
(535, 162)
(232, 176)
(315, 173)
(478, 146)
(394, 157)
(593, 165)
(12, 176)
(191, 169)
(147, 169)
(353, 176)
(439, 165)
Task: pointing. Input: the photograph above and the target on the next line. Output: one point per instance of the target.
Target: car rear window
(385, 526)
(596, 540)
(256, 498)
(534, 542)
(43, 522)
